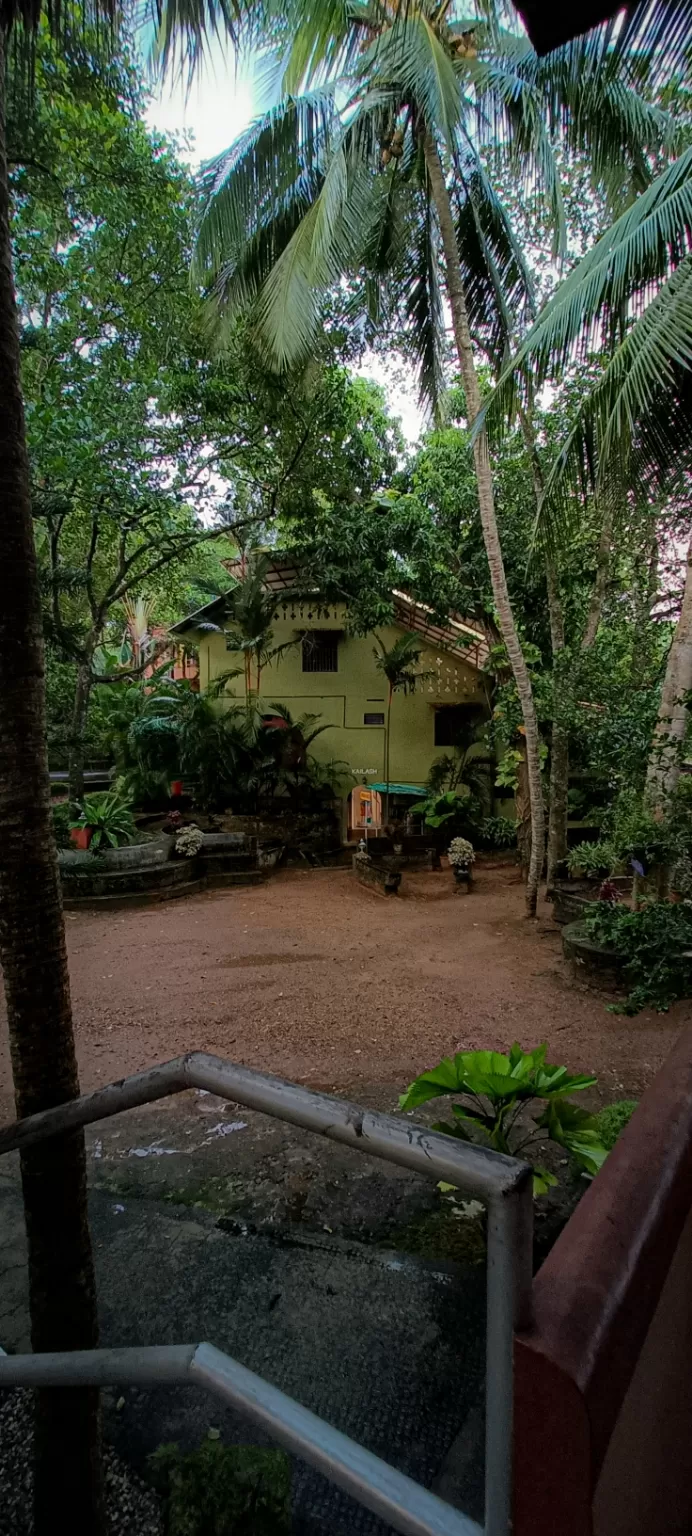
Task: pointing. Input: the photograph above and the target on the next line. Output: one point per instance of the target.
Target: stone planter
(382, 875)
(571, 898)
(147, 872)
(592, 961)
(230, 858)
(463, 876)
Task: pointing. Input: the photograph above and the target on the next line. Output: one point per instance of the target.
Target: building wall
(342, 698)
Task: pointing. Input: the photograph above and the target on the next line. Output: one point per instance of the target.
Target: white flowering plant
(188, 842)
(460, 852)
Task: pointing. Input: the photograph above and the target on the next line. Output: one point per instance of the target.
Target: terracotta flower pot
(81, 837)
(176, 788)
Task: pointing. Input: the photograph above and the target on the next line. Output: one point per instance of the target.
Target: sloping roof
(457, 634)
(549, 24)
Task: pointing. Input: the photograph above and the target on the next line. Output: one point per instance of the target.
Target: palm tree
(375, 163)
(250, 606)
(399, 664)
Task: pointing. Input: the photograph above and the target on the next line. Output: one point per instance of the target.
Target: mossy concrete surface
(293, 1256)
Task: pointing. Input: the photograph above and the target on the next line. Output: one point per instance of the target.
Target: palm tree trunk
(595, 613)
(559, 745)
(80, 710)
(664, 761)
(486, 501)
(34, 962)
(559, 741)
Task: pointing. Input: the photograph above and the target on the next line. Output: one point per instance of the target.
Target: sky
(206, 119)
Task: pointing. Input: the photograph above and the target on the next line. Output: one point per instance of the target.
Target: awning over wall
(399, 789)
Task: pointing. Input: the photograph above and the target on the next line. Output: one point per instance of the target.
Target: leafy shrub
(498, 832)
(635, 833)
(223, 1490)
(612, 1120)
(110, 817)
(592, 859)
(494, 1089)
(62, 821)
(188, 842)
(655, 944)
(460, 851)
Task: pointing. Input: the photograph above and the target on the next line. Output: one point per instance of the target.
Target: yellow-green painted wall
(342, 698)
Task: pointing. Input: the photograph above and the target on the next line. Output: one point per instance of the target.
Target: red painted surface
(595, 1299)
(81, 836)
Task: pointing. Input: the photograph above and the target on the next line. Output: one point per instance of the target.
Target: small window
(453, 722)
(321, 651)
(374, 719)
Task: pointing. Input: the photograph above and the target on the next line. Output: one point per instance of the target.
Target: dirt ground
(314, 978)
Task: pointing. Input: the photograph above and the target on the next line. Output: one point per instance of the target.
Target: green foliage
(498, 832)
(398, 663)
(223, 1490)
(655, 944)
(496, 1089)
(233, 754)
(593, 860)
(451, 811)
(612, 1120)
(633, 833)
(110, 817)
(507, 776)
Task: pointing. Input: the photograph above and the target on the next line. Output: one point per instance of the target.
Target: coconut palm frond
(497, 281)
(613, 283)
(633, 429)
(656, 36)
(278, 164)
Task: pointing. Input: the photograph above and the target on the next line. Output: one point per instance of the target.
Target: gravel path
(132, 1509)
(315, 978)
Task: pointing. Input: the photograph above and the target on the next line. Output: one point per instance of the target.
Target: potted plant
(189, 842)
(461, 857)
(104, 820)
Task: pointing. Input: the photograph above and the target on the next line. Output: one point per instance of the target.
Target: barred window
(321, 651)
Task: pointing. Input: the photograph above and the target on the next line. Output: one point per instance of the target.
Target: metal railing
(502, 1183)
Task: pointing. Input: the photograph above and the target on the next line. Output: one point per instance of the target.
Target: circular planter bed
(137, 872)
(594, 961)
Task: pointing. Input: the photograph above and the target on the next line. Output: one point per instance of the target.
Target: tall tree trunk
(559, 741)
(595, 613)
(664, 762)
(32, 950)
(559, 746)
(486, 501)
(80, 710)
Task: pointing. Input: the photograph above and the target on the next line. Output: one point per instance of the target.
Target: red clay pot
(176, 788)
(81, 837)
